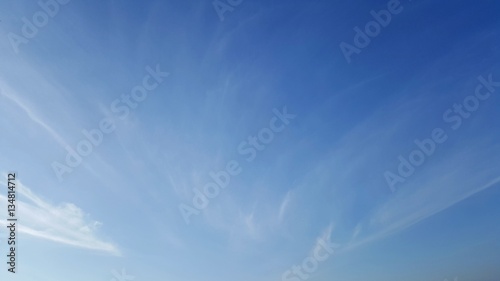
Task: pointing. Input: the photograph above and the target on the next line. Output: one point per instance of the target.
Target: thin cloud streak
(35, 118)
(66, 223)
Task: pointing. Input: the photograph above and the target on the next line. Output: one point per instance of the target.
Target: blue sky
(322, 177)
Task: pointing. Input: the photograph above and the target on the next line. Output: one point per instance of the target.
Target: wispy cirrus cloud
(65, 223)
(284, 205)
(8, 93)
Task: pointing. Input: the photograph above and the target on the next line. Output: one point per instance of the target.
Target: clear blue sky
(323, 175)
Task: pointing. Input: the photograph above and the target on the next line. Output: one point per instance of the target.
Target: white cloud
(8, 93)
(66, 223)
(284, 205)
